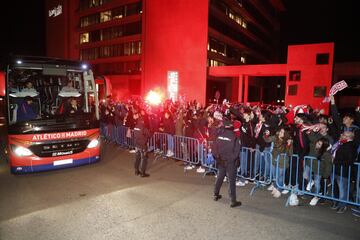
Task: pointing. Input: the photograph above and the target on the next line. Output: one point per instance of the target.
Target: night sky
(305, 21)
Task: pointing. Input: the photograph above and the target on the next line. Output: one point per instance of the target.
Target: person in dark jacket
(345, 156)
(226, 150)
(141, 137)
(169, 128)
(262, 156)
(73, 108)
(25, 111)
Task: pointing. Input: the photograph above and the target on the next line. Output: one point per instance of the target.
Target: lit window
(84, 38)
(244, 24)
(105, 16)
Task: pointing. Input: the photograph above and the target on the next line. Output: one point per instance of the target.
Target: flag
(337, 87)
(334, 89)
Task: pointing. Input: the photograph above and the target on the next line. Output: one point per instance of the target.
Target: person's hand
(332, 100)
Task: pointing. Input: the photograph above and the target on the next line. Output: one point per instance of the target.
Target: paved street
(106, 201)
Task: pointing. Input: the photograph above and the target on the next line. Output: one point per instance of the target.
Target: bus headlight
(21, 151)
(93, 143)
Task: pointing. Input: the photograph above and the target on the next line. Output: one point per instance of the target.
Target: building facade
(139, 43)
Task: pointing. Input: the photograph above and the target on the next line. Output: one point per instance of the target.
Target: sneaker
(246, 181)
(169, 153)
(235, 204)
(276, 193)
(271, 187)
(217, 197)
(240, 183)
(334, 206)
(310, 185)
(225, 179)
(284, 191)
(341, 209)
(144, 175)
(188, 167)
(293, 201)
(314, 201)
(200, 170)
(132, 151)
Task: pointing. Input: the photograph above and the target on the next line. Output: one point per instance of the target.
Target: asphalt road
(106, 201)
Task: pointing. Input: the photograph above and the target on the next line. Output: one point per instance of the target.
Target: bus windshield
(36, 95)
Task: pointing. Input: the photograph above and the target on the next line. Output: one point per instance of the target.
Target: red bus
(51, 112)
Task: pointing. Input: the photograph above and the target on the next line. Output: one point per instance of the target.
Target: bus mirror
(2, 84)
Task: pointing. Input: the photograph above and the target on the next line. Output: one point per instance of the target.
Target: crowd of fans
(300, 130)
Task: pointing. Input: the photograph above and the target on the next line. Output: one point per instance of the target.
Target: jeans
(244, 154)
(278, 176)
(170, 142)
(263, 160)
(342, 182)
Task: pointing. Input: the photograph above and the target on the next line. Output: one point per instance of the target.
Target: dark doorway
(223, 85)
(268, 90)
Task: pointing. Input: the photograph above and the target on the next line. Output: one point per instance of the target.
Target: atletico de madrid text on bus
(54, 136)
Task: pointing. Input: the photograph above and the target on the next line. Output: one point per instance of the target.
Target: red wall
(303, 58)
(175, 39)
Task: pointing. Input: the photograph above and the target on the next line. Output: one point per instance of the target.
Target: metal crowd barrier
(117, 134)
(186, 149)
(301, 177)
(298, 176)
(208, 161)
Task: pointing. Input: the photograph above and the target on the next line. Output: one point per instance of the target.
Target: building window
(294, 75)
(244, 24)
(105, 16)
(84, 38)
(320, 91)
(215, 63)
(238, 19)
(118, 12)
(85, 4)
(292, 91)
(217, 47)
(322, 58)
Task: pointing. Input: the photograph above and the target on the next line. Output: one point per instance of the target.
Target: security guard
(141, 137)
(226, 150)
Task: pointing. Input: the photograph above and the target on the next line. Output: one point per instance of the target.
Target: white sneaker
(225, 179)
(200, 170)
(192, 166)
(310, 185)
(132, 151)
(169, 153)
(294, 201)
(276, 193)
(188, 167)
(271, 187)
(240, 183)
(285, 192)
(246, 181)
(314, 201)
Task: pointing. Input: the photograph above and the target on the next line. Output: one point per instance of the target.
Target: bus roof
(45, 61)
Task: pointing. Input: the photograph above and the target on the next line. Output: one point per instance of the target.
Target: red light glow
(153, 98)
